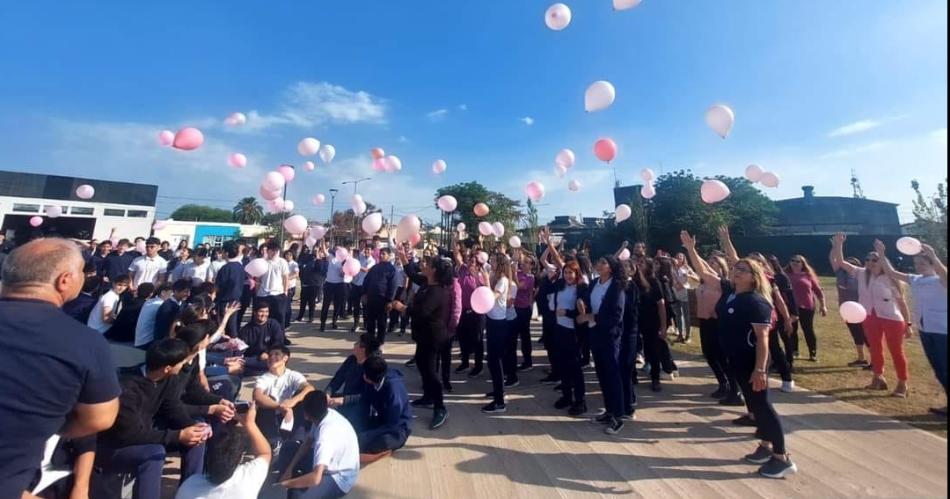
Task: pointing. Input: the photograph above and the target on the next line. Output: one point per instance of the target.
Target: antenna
(856, 185)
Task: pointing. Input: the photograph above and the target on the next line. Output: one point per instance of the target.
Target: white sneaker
(788, 386)
(672, 376)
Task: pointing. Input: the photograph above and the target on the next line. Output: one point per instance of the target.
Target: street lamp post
(333, 193)
(356, 183)
(283, 211)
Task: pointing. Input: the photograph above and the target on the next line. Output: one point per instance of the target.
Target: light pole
(283, 211)
(333, 193)
(356, 183)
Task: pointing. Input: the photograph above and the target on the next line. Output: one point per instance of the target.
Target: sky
(818, 88)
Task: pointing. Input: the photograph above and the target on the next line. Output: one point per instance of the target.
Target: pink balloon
(853, 312)
(36, 221)
(415, 239)
(379, 165)
(296, 224)
(439, 167)
(274, 181)
(714, 191)
(319, 199)
(498, 229)
(770, 180)
(574, 186)
(309, 166)
(351, 267)
(482, 257)
(392, 164)
(481, 210)
(535, 191)
(605, 150)
(236, 119)
(256, 267)
(237, 160)
(85, 191)
(486, 229)
(166, 138)
(288, 172)
(188, 139)
(268, 194)
(377, 153)
(461, 227)
(317, 232)
(342, 254)
(448, 204)
(483, 299)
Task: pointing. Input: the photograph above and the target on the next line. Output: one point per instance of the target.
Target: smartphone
(242, 407)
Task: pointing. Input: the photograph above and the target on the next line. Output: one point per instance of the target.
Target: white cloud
(854, 128)
(527, 120)
(940, 136)
(437, 115)
(312, 104)
(841, 153)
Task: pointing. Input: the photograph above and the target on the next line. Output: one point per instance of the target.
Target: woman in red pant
(887, 320)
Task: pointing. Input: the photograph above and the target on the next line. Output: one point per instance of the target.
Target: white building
(212, 233)
(128, 208)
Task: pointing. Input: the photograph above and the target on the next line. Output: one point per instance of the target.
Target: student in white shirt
(145, 326)
(225, 477)
(149, 268)
(278, 393)
(336, 453)
(220, 260)
(272, 286)
(107, 308)
(497, 329)
(197, 268)
(334, 292)
(356, 287)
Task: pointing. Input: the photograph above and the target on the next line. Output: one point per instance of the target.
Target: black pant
(548, 325)
(355, 303)
(709, 340)
(427, 358)
(397, 318)
(378, 440)
(768, 424)
(583, 341)
(567, 362)
(606, 351)
(857, 334)
(806, 318)
(497, 332)
(333, 293)
(657, 353)
(628, 369)
(445, 363)
(511, 352)
(471, 336)
(289, 309)
(523, 328)
(778, 356)
(375, 320)
(308, 301)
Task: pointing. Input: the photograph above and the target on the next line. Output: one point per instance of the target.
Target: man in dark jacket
(133, 445)
(229, 284)
(260, 334)
(379, 288)
(168, 312)
(390, 421)
(346, 387)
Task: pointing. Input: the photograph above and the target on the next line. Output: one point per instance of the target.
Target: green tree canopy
(930, 216)
(503, 209)
(200, 213)
(248, 211)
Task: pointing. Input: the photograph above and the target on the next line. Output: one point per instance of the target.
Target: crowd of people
(64, 303)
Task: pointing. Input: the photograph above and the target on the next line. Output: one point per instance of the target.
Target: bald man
(56, 375)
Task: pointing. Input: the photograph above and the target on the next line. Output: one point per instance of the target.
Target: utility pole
(392, 214)
(283, 211)
(356, 231)
(333, 193)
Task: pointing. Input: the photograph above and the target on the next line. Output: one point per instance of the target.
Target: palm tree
(248, 212)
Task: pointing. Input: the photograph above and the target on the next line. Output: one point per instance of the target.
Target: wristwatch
(761, 371)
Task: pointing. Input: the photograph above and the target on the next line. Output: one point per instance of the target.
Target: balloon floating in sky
(439, 167)
(309, 166)
(560, 171)
(754, 173)
(237, 160)
(166, 138)
(626, 4)
(648, 191)
(853, 312)
(235, 119)
(317, 232)
(308, 146)
(909, 246)
(599, 96)
(379, 164)
(327, 153)
(534, 191)
(269, 194)
(36, 221)
(372, 223)
(188, 139)
(770, 180)
(574, 186)
(377, 153)
(448, 204)
(605, 150)
(392, 164)
(296, 224)
(481, 210)
(714, 191)
(288, 206)
(648, 175)
(498, 229)
(622, 213)
(319, 199)
(565, 158)
(558, 16)
(720, 118)
(273, 181)
(288, 172)
(85, 191)
(54, 211)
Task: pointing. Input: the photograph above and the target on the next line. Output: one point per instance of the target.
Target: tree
(344, 223)
(531, 223)
(930, 216)
(248, 211)
(503, 209)
(200, 213)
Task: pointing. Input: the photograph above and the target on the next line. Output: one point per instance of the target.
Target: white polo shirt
(272, 282)
(147, 269)
(337, 448)
(366, 262)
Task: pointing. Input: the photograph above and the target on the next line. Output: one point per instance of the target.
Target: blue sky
(818, 88)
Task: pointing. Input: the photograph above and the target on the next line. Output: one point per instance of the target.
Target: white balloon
(534, 190)
(319, 199)
(574, 186)
(648, 175)
(558, 16)
(565, 158)
(624, 255)
(356, 199)
(770, 180)
(273, 181)
(392, 164)
(448, 204)
(372, 223)
(54, 211)
(236, 119)
(626, 4)
(327, 153)
(498, 229)
(754, 173)
(461, 227)
(410, 224)
(720, 118)
(308, 146)
(296, 224)
(622, 213)
(909, 246)
(514, 242)
(256, 267)
(714, 191)
(648, 191)
(560, 171)
(485, 229)
(288, 205)
(318, 232)
(600, 95)
(359, 208)
(853, 312)
(439, 167)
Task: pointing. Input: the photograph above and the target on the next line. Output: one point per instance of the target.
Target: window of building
(215, 241)
(112, 212)
(77, 210)
(27, 208)
(137, 214)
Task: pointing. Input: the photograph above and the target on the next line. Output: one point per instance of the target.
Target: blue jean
(145, 462)
(935, 346)
(497, 337)
(606, 351)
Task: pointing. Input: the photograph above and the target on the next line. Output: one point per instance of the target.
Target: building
(812, 215)
(574, 231)
(126, 207)
(212, 233)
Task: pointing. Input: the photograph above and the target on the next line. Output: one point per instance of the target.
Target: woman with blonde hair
(808, 294)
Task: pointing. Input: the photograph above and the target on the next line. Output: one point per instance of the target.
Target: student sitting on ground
(168, 312)
(336, 453)
(190, 383)
(390, 420)
(123, 328)
(145, 326)
(260, 335)
(225, 476)
(107, 308)
(133, 445)
(278, 395)
(347, 384)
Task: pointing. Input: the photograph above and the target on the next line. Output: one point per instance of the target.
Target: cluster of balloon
(514, 242)
(853, 312)
(36, 221)
(372, 223)
(599, 96)
(309, 166)
(384, 163)
(439, 167)
(909, 246)
(188, 139)
(721, 119)
(448, 204)
(327, 153)
(558, 16)
(481, 210)
(626, 4)
(624, 255)
(319, 199)
(563, 162)
(757, 174)
(714, 191)
(317, 232)
(237, 160)
(53, 211)
(308, 147)
(85, 191)
(165, 138)
(358, 204)
(235, 119)
(574, 186)
(256, 267)
(534, 190)
(270, 190)
(648, 191)
(622, 213)
(605, 150)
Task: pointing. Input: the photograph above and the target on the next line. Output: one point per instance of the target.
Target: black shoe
(411, 363)
(495, 408)
(550, 380)
(525, 367)
(604, 418)
(287, 342)
(461, 369)
(323, 328)
(334, 326)
(446, 387)
(721, 393)
(732, 401)
(475, 372)
(422, 403)
(353, 329)
(868, 367)
(439, 417)
(813, 357)
(511, 383)
(563, 403)
(761, 455)
(578, 409)
(858, 363)
(614, 427)
(778, 469)
(656, 386)
(938, 411)
(744, 420)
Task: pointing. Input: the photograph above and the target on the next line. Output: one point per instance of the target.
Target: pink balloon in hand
(188, 139)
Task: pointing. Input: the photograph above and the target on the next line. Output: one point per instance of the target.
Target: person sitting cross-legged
(260, 335)
(347, 384)
(278, 394)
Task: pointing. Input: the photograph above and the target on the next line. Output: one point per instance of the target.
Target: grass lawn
(832, 376)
